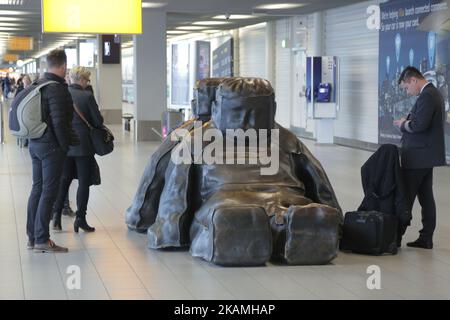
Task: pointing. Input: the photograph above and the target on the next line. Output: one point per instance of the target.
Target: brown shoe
(49, 246)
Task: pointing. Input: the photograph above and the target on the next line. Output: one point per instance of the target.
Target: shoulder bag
(102, 138)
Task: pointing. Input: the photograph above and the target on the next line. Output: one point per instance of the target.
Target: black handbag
(102, 138)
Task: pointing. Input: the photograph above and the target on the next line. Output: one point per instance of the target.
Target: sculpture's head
(204, 95)
(244, 103)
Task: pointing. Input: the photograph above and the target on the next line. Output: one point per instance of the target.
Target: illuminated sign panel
(88, 16)
(20, 44)
(10, 57)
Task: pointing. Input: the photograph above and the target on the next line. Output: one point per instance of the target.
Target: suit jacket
(423, 144)
(85, 102)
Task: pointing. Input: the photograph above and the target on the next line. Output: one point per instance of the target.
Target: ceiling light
(210, 23)
(9, 24)
(280, 6)
(255, 26)
(12, 2)
(188, 36)
(153, 4)
(3, 19)
(12, 28)
(191, 28)
(176, 32)
(12, 12)
(212, 31)
(234, 17)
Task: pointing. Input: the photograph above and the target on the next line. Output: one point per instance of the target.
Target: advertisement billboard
(412, 32)
(203, 66)
(223, 60)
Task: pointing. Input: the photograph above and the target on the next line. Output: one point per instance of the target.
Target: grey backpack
(25, 114)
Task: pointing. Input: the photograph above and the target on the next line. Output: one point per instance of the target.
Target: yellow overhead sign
(20, 44)
(92, 16)
(10, 57)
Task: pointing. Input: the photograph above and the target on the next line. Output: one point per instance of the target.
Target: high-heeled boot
(57, 221)
(80, 222)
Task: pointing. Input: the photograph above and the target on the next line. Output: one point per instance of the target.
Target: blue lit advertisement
(223, 60)
(180, 74)
(203, 60)
(412, 33)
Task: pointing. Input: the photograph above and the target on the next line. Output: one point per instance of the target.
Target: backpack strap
(81, 115)
(38, 86)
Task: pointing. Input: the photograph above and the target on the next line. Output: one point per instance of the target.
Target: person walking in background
(80, 158)
(48, 153)
(25, 81)
(423, 148)
(22, 83)
(19, 86)
(6, 86)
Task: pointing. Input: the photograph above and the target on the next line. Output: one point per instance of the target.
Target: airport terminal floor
(116, 264)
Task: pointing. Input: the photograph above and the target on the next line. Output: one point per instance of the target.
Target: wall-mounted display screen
(111, 49)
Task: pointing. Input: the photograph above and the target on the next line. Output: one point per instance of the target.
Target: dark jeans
(82, 166)
(48, 162)
(66, 204)
(419, 183)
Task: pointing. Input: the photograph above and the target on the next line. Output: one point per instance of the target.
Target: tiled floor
(115, 263)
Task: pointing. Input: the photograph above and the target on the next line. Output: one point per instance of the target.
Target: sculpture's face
(244, 103)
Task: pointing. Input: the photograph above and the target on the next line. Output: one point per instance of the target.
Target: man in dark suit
(423, 148)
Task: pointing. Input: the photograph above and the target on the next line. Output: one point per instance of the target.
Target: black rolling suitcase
(369, 232)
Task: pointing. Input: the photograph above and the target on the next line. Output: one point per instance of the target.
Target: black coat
(383, 184)
(423, 144)
(57, 108)
(86, 103)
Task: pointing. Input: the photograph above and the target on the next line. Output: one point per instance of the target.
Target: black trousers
(83, 167)
(419, 183)
(47, 161)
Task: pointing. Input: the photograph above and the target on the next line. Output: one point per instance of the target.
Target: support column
(236, 44)
(324, 128)
(42, 66)
(150, 75)
(270, 52)
(109, 84)
(317, 43)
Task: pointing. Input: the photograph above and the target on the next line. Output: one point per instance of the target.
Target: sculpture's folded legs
(233, 235)
(306, 235)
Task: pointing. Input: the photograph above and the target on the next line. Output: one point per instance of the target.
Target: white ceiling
(23, 17)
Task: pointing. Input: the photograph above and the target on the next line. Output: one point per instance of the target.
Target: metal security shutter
(283, 75)
(347, 36)
(252, 52)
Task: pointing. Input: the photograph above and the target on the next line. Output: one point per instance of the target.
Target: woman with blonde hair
(80, 158)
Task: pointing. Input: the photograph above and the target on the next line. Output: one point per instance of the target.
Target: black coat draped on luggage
(383, 186)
